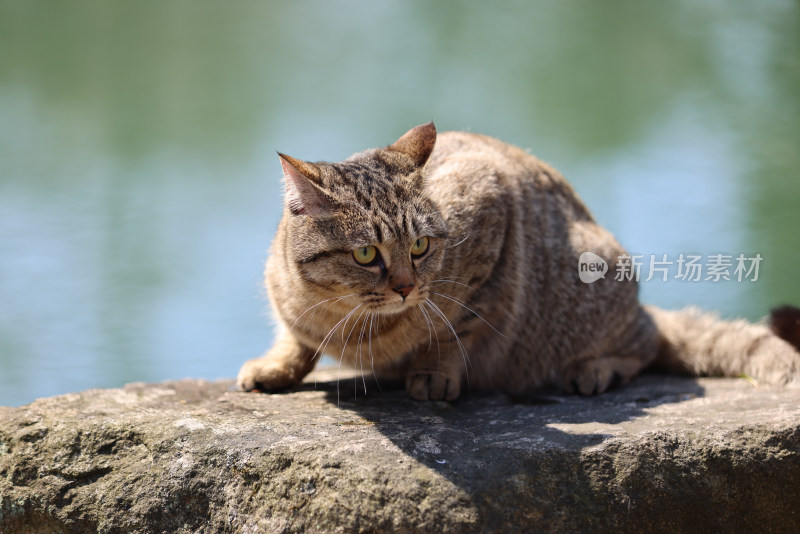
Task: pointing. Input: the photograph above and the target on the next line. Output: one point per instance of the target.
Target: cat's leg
(436, 373)
(635, 349)
(596, 375)
(284, 365)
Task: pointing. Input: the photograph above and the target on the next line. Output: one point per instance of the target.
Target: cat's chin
(395, 308)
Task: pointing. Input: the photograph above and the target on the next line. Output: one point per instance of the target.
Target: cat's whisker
(344, 346)
(351, 330)
(462, 304)
(345, 341)
(378, 334)
(369, 341)
(360, 352)
(430, 336)
(443, 281)
(462, 349)
(329, 335)
(357, 360)
(324, 344)
(319, 304)
(465, 238)
(435, 333)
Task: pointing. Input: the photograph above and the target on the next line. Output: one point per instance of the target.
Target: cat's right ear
(417, 143)
(303, 195)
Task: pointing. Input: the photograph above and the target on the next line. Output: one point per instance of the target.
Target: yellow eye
(419, 247)
(365, 255)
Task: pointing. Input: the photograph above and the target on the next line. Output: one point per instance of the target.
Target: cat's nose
(403, 290)
(402, 282)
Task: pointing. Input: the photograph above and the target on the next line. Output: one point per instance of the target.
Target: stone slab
(663, 454)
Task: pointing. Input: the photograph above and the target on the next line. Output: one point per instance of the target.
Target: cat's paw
(265, 375)
(591, 377)
(433, 386)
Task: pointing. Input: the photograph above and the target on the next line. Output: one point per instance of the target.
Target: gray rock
(662, 454)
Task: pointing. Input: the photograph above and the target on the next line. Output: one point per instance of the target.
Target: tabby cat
(451, 262)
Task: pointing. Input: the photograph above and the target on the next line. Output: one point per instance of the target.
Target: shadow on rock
(532, 450)
(434, 431)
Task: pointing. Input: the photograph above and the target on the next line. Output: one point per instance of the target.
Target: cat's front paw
(265, 375)
(595, 376)
(433, 386)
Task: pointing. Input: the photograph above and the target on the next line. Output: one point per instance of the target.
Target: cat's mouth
(394, 304)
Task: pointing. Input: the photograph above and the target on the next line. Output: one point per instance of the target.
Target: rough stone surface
(662, 454)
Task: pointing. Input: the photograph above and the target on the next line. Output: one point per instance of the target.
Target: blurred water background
(139, 186)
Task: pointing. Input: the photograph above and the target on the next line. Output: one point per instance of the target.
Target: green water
(139, 187)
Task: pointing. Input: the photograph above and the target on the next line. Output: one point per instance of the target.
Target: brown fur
(495, 302)
(785, 322)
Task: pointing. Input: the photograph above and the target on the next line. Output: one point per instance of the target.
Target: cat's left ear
(417, 143)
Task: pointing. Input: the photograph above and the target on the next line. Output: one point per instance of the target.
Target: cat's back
(468, 169)
(466, 151)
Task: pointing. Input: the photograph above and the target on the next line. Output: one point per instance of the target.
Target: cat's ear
(417, 143)
(303, 195)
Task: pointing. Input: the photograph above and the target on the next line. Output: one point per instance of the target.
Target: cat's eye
(419, 247)
(365, 255)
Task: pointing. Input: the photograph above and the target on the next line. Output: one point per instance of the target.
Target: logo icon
(591, 267)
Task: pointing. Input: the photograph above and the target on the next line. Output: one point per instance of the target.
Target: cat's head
(364, 229)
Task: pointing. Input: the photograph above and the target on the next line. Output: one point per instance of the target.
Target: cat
(450, 261)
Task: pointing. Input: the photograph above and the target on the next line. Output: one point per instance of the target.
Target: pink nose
(402, 281)
(403, 290)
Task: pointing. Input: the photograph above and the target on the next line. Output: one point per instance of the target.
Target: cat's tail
(701, 344)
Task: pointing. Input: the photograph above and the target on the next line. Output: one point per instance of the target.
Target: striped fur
(494, 301)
